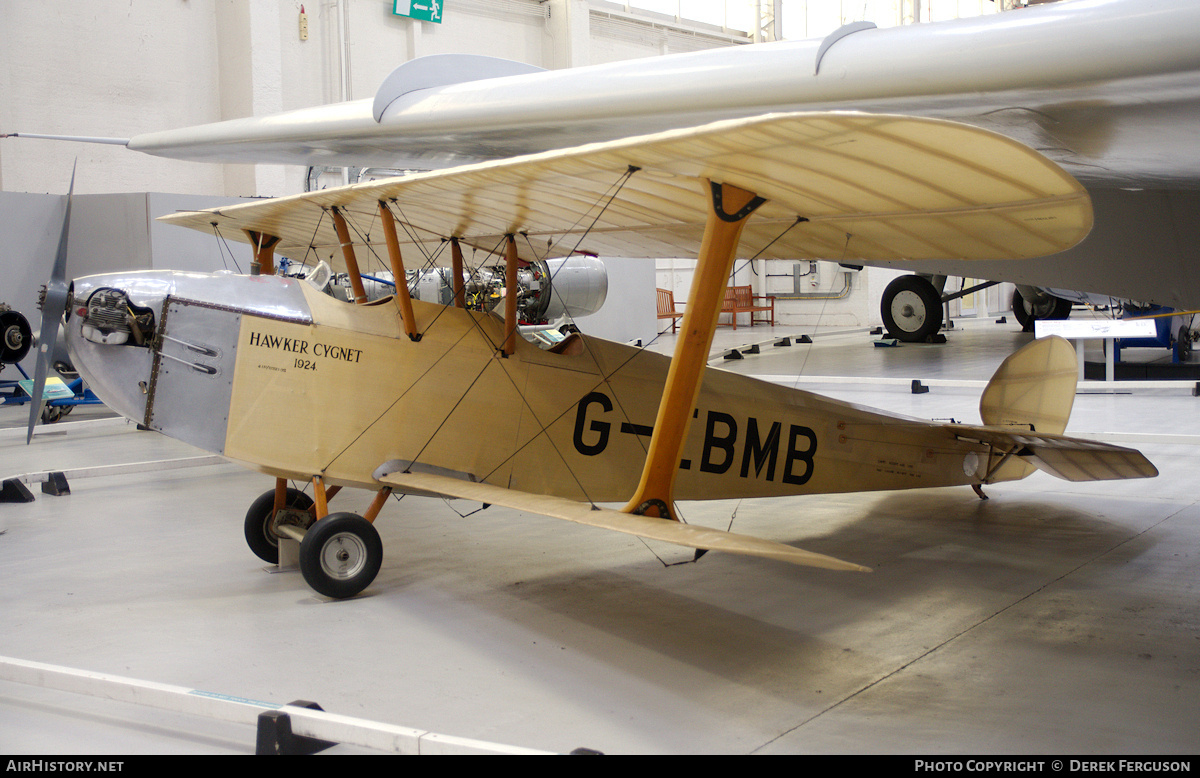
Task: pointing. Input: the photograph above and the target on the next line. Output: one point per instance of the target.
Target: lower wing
(649, 527)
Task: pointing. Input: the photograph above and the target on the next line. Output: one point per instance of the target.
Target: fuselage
(287, 380)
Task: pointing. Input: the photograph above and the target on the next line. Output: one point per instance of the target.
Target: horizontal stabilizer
(1071, 459)
(649, 527)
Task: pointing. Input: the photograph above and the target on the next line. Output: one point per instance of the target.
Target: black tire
(911, 309)
(1183, 345)
(341, 555)
(1050, 307)
(16, 337)
(1062, 309)
(262, 541)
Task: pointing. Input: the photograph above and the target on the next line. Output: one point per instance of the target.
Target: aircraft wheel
(16, 336)
(341, 555)
(911, 308)
(52, 413)
(262, 541)
(1062, 309)
(1183, 345)
(1045, 307)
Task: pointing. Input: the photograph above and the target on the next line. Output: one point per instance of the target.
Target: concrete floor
(1052, 618)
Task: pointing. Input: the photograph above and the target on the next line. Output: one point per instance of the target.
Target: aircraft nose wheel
(341, 555)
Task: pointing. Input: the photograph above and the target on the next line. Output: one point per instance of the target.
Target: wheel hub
(13, 338)
(343, 556)
(908, 309)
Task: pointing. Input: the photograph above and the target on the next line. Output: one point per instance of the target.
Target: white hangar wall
(117, 68)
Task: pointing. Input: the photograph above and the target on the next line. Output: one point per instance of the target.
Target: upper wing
(862, 186)
(688, 535)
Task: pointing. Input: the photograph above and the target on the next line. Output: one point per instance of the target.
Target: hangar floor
(1053, 618)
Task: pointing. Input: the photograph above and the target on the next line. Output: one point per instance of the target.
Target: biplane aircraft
(448, 401)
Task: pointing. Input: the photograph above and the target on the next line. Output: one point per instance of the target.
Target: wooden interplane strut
(403, 300)
(343, 233)
(456, 267)
(510, 296)
(722, 230)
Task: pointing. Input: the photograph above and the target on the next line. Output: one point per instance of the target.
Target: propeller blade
(54, 305)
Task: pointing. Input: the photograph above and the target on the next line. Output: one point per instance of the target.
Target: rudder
(1034, 388)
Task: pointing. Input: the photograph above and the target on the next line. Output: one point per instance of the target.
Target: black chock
(275, 737)
(918, 387)
(784, 342)
(936, 337)
(877, 331)
(804, 339)
(753, 349)
(1195, 393)
(734, 354)
(1002, 320)
(15, 491)
(56, 485)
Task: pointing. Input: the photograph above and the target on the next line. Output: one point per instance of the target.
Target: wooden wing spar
(871, 187)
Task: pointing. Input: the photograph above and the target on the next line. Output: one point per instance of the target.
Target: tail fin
(1034, 388)
(1025, 408)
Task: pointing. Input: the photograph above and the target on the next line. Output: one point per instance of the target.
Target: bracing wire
(225, 244)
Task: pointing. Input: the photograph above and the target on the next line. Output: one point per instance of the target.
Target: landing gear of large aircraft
(912, 308)
(16, 336)
(1038, 306)
(1184, 341)
(262, 521)
(341, 555)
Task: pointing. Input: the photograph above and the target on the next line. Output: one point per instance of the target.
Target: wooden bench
(741, 299)
(666, 307)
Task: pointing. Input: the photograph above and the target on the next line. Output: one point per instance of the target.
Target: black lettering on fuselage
(300, 346)
(795, 455)
(760, 451)
(714, 442)
(601, 428)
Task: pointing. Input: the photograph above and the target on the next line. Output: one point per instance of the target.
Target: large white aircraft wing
(1110, 89)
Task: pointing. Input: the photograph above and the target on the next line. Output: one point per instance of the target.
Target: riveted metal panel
(192, 379)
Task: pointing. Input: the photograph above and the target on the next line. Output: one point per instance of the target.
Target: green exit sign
(425, 10)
